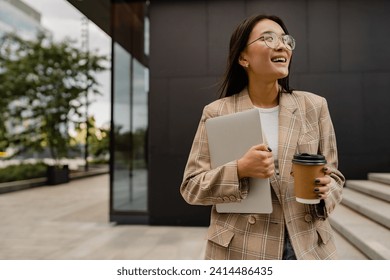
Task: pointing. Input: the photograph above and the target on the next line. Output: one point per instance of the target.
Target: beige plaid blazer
(304, 126)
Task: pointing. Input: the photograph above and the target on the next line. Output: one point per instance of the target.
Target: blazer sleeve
(202, 185)
(328, 148)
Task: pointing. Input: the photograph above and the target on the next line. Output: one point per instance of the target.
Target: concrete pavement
(70, 221)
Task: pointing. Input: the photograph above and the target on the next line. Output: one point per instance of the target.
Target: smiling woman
(257, 76)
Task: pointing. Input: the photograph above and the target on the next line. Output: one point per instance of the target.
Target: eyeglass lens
(272, 40)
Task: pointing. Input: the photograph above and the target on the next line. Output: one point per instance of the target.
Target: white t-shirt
(269, 118)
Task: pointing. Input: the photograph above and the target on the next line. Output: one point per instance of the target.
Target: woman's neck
(264, 95)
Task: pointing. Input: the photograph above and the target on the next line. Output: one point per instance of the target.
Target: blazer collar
(286, 101)
(243, 101)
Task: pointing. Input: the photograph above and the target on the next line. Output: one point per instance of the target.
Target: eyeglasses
(272, 40)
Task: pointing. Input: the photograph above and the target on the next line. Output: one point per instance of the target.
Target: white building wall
(18, 17)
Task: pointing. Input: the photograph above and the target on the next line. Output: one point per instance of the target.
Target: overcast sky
(64, 20)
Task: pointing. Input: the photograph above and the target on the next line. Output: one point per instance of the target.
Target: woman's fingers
(322, 188)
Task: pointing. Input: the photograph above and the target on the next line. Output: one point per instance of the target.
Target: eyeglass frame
(281, 38)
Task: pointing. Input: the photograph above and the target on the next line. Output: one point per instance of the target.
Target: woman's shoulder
(219, 102)
(219, 107)
(309, 97)
(310, 104)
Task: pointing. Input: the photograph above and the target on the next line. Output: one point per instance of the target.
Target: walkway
(70, 221)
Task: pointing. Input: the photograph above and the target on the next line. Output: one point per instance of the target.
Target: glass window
(122, 129)
(130, 110)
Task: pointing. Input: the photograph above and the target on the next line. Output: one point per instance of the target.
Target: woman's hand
(322, 185)
(257, 162)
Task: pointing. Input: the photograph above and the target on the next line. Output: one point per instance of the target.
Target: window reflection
(121, 112)
(130, 111)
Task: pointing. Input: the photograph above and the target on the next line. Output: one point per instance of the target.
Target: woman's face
(264, 62)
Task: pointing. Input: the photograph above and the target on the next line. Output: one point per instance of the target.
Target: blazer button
(308, 218)
(252, 220)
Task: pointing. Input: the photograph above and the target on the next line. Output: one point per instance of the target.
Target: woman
(293, 121)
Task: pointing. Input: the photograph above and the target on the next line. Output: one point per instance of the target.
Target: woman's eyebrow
(270, 31)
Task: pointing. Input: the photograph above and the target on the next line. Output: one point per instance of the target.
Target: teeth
(279, 59)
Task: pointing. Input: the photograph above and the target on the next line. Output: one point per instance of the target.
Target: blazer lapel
(243, 102)
(289, 130)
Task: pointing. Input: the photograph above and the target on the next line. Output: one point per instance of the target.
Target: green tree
(98, 140)
(45, 83)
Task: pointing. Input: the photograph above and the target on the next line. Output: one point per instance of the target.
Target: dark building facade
(341, 54)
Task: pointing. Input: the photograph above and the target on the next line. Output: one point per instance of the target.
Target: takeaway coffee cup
(306, 168)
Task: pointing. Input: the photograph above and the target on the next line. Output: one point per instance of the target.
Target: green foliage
(43, 85)
(98, 138)
(22, 172)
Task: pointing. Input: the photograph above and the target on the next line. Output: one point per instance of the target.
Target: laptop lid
(230, 137)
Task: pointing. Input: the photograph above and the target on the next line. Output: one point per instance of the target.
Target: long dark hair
(236, 78)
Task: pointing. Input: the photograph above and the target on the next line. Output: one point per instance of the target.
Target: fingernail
(317, 181)
(319, 196)
(269, 149)
(316, 189)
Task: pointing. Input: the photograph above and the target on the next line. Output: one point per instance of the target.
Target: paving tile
(70, 221)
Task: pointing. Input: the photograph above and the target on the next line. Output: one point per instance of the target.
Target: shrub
(22, 172)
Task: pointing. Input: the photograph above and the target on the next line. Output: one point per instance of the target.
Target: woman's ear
(243, 61)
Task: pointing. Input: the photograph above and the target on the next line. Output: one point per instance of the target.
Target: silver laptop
(230, 137)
